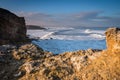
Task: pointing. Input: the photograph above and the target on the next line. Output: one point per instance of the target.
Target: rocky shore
(26, 61)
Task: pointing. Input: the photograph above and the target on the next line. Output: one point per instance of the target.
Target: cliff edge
(12, 27)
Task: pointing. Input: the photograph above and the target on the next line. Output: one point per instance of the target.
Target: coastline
(28, 59)
(20, 59)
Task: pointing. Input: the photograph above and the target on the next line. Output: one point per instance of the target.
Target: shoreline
(28, 59)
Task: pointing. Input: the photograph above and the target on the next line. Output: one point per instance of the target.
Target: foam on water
(47, 35)
(97, 36)
(68, 39)
(87, 31)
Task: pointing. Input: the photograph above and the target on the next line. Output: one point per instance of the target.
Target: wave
(93, 31)
(67, 34)
(87, 31)
(97, 36)
(46, 36)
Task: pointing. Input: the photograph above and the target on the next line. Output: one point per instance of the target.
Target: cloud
(89, 19)
(86, 15)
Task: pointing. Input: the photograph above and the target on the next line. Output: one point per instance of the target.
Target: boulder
(113, 39)
(12, 27)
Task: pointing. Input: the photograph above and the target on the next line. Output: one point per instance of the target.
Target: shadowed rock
(12, 27)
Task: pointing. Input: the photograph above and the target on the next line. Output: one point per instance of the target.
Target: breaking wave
(68, 34)
(46, 36)
(97, 36)
(65, 39)
(87, 31)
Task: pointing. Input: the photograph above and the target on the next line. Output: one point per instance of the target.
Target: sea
(66, 39)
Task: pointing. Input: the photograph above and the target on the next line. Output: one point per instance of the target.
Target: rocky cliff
(28, 62)
(12, 27)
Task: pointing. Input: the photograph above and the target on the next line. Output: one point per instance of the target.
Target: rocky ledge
(29, 62)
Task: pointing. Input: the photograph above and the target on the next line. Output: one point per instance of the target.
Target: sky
(66, 13)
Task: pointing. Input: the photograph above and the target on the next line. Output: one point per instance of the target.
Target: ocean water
(59, 40)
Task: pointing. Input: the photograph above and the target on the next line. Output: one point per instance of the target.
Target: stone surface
(12, 27)
(113, 39)
(29, 62)
(29, 52)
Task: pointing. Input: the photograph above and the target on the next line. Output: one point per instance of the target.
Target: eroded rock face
(113, 39)
(12, 27)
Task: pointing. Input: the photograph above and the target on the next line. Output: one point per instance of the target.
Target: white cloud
(88, 19)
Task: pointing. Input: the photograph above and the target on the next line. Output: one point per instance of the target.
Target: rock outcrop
(113, 39)
(28, 59)
(12, 27)
(29, 62)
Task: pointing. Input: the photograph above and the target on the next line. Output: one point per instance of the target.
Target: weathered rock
(29, 62)
(12, 27)
(30, 51)
(113, 39)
